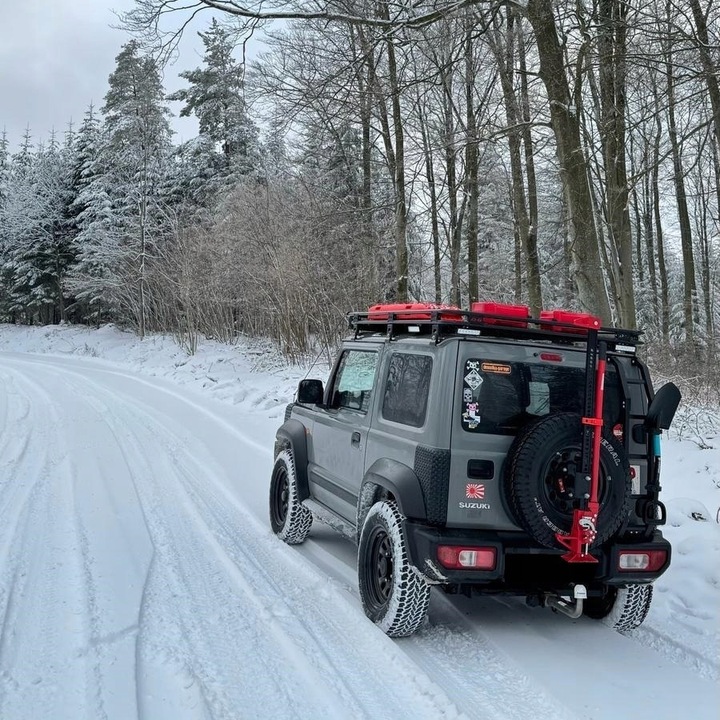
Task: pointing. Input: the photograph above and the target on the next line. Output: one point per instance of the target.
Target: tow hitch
(572, 608)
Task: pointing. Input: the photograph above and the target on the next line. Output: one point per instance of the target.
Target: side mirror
(662, 409)
(310, 392)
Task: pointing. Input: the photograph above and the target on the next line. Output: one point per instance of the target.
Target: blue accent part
(656, 445)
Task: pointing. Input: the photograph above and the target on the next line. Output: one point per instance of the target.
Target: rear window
(501, 397)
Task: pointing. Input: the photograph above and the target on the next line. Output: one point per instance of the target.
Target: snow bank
(251, 373)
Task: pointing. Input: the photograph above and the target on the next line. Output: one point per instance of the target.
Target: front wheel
(621, 608)
(289, 518)
(395, 596)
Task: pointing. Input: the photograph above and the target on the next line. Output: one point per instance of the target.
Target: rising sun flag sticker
(474, 491)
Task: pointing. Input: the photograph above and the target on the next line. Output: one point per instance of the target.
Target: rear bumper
(522, 566)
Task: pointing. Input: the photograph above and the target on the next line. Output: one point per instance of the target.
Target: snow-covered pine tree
(4, 167)
(93, 279)
(36, 252)
(134, 158)
(4, 235)
(229, 140)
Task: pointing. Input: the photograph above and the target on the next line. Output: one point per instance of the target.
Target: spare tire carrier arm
(585, 516)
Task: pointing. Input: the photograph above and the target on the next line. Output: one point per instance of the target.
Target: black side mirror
(310, 392)
(662, 409)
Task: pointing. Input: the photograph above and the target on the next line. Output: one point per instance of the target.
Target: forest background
(558, 154)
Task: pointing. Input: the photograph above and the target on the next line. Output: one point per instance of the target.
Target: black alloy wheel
(558, 488)
(280, 498)
(380, 567)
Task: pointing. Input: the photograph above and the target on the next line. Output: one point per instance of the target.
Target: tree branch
(145, 17)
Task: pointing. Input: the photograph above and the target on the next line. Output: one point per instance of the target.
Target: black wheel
(540, 479)
(289, 518)
(395, 596)
(621, 608)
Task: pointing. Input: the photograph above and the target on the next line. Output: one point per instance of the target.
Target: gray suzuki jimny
(484, 451)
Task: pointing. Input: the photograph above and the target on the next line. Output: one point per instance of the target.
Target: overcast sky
(55, 58)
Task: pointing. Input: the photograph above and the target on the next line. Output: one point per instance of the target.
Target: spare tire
(539, 479)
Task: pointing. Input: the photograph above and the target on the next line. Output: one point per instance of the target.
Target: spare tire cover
(539, 479)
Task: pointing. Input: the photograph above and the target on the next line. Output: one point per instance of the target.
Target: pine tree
(4, 167)
(22, 214)
(135, 157)
(4, 234)
(216, 97)
(92, 224)
(37, 251)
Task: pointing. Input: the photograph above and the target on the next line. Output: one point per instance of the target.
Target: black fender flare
(292, 433)
(402, 482)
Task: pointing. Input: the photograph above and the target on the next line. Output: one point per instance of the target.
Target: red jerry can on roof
(581, 322)
(413, 311)
(512, 315)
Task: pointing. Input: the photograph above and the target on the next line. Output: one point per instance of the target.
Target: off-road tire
(289, 518)
(395, 596)
(538, 457)
(621, 608)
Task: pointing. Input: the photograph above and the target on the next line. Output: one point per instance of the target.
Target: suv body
(427, 419)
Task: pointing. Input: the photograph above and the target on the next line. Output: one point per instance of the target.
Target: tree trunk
(471, 163)
(401, 249)
(662, 267)
(533, 257)
(612, 34)
(690, 289)
(647, 222)
(584, 248)
(450, 166)
(711, 69)
(432, 190)
(505, 58)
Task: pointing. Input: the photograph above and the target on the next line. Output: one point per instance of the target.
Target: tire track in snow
(591, 669)
(22, 457)
(255, 569)
(58, 656)
(674, 650)
(302, 649)
(39, 545)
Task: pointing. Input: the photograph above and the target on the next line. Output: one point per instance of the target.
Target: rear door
(499, 389)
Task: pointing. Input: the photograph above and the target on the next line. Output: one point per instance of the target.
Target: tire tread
(408, 604)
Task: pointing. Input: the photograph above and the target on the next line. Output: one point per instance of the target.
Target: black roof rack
(446, 322)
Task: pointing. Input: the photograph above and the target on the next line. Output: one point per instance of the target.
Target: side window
(407, 388)
(353, 384)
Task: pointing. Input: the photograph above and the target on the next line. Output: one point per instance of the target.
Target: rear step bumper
(522, 565)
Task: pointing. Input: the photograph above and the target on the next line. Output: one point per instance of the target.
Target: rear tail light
(641, 561)
(469, 558)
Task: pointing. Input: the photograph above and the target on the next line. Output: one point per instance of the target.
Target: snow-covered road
(139, 579)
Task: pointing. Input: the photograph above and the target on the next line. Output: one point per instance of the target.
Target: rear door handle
(355, 438)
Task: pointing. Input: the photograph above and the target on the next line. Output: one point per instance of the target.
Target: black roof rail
(445, 322)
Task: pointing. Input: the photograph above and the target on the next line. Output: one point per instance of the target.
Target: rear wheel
(621, 608)
(395, 596)
(289, 518)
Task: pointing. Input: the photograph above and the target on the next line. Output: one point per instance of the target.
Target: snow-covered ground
(139, 577)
